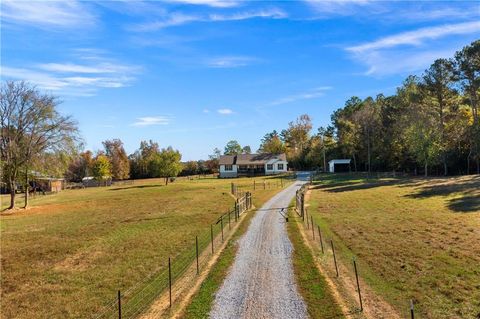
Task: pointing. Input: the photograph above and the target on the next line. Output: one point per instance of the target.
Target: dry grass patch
(414, 238)
(68, 254)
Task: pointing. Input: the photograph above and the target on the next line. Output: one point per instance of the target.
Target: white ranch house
(252, 165)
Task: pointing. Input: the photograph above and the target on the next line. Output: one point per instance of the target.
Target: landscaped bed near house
(413, 238)
(70, 252)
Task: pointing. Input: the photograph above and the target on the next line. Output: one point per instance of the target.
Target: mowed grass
(70, 252)
(311, 284)
(413, 238)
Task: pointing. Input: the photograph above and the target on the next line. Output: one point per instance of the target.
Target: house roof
(340, 161)
(250, 159)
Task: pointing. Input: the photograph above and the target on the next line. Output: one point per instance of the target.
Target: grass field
(311, 284)
(413, 238)
(70, 252)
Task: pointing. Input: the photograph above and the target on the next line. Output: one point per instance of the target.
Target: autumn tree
(30, 126)
(271, 143)
(167, 163)
(102, 168)
(118, 157)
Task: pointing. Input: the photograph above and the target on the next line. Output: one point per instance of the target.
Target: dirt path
(261, 283)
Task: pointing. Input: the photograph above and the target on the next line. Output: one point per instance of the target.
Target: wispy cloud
(337, 7)
(179, 18)
(407, 51)
(210, 3)
(225, 111)
(83, 77)
(152, 120)
(310, 94)
(65, 14)
(416, 37)
(229, 61)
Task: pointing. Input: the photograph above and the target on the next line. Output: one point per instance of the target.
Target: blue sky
(195, 74)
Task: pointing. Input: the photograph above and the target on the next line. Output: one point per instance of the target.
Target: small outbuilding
(339, 165)
(49, 184)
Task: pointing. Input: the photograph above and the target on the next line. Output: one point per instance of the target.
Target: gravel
(261, 282)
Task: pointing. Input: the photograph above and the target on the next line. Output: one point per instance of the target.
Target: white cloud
(308, 95)
(206, 111)
(65, 14)
(229, 61)
(225, 111)
(416, 37)
(82, 78)
(337, 7)
(178, 18)
(152, 120)
(273, 13)
(211, 3)
(408, 52)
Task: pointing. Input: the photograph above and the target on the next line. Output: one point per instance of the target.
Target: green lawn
(70, 252)
(311, 284)
(413, 238)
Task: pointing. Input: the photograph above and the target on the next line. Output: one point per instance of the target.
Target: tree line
(431, 125)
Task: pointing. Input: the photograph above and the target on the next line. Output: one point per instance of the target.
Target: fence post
(313, 228)
(321, 241)
(119, 305)
(281, 181)
(254, 185)
(306, 217)
(358, 285)
(221, 223)
(412, 315)
(211, 236)
(229, 226)
(264, 185)
(302, 206)
(196, 251)
(231, 191)
(170, 281)
(334, 257)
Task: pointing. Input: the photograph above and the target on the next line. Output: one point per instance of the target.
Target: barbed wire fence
(330, 251)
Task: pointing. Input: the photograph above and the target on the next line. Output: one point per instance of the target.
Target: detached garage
(339, 165)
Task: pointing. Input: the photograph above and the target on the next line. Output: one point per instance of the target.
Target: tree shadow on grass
(467, 187)
(139, 187)
(361, 185)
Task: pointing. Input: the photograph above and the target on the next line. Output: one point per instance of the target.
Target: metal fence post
(170, 281)
(321, 241)
(358, 285)
(229, 226)
(119, 305)
(211, 236)
(334, 257)
(313, 228)
(254, 185)
(221, 225)
(196, 250)
(412, 315)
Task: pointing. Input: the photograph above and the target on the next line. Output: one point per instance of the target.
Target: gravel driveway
(261, 282)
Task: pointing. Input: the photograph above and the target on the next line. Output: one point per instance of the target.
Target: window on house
(280, 167)
(228, 168)
(270, 167)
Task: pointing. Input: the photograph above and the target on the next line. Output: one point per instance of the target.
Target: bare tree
(30, 125)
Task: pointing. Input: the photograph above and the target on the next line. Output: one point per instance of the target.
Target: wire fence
(330, 252)
(157, 292)
(278, 182)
